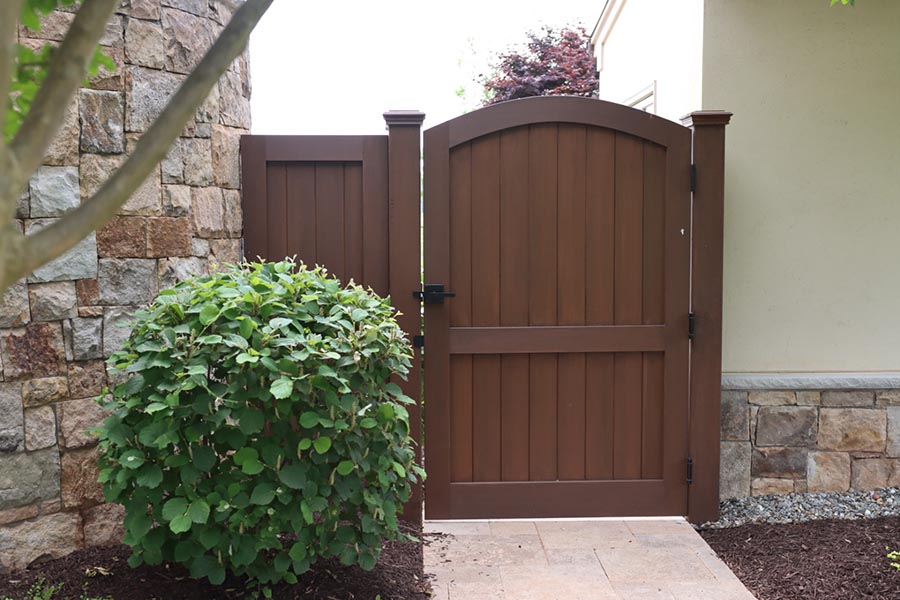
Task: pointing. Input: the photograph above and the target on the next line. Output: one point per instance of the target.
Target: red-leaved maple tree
(555, 62)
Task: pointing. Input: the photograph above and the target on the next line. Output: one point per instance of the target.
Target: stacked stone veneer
(58, 326)
(776, 442)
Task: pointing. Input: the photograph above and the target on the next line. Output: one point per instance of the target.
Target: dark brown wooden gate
(560, 377)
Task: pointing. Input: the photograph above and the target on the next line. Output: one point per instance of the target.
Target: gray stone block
(12, 434)
(28, 477)
(54, 191)
(53, 301)
(735, 416)
(893, 431)
(148, 91)
(127, 281)
(78, 263)
(102, 122)
(786, 426)
(14, 308)
(87, 338)
(734, 473)
(116, 327)
(779, 462)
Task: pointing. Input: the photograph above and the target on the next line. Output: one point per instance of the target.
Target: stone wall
(58, 326)
(776, 442)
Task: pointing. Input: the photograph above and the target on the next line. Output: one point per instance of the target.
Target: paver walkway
(575, 560)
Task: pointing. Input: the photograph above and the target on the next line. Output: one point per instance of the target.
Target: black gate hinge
(692, 324)
(418, 341)
(693, 177)
(690, 470)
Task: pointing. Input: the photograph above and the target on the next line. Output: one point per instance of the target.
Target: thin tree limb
(9, 16)
(152, 147)
(66, 72)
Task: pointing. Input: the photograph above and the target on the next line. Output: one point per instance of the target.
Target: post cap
(706, 117)
(404, 117)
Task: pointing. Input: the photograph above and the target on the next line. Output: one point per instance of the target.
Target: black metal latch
(433, 293)
(692, 325)
(690, 470)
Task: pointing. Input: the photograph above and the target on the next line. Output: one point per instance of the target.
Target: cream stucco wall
(640, 43)
(812, 224)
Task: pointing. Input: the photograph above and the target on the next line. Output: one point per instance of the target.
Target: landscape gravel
(799, 508)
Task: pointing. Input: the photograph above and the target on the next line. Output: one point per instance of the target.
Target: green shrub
(254, 430)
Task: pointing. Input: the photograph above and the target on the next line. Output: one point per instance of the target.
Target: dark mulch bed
(397, 576)
(818, 560)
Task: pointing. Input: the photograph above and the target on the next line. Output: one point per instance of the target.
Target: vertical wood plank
(486, 425)
(600, 217)
(542, 231)
(654, 307)
(353, 215)
(514, 250)
(628, 304)
(330, 216)
(254, 197)
(276, 226)
(571, 296)
(301, 212)
(375, 214)
(461, 457)
(460, 309)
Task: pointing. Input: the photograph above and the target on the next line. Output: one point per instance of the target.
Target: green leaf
(251, 421)
(304, 444)
(298, 552)
(253, 467)
(345, 467)
(309, 419)
(209, 567)
(244, 454)
(246, 328)
(368, 423)
(205, 458)
(209, 313)
(322, 445)
(263, 494)
(174, 508)
(180, 524)
(366, 561)
(155, 407)
(282, 388)
(149, 476)
(243, 358)
(198, 511)
(293, 476)
(132, 459)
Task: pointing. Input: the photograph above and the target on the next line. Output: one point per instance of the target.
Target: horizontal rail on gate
(548, 339)
(308, 148)
(625, 497)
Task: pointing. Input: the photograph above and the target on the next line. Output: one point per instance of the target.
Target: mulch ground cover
(104, 572)
(817, 560)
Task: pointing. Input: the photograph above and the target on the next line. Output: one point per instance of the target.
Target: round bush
(255, 429)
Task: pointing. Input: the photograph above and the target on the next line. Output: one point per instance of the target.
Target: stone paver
(631, 559)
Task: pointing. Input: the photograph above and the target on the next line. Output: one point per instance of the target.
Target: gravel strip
(799, 508)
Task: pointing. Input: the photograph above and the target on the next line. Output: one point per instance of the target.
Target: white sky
(332, 67)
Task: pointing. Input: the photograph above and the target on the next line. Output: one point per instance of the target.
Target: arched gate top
(563, 109)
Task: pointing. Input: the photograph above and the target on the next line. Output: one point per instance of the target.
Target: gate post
(404, 197)
(708, 152)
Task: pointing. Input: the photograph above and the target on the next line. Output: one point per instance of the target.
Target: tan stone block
(78, 479)
(871, 473)
(20, 513)
(763, 486)
(224, 252)
(76, 419)
(852, 398)
(52, 535)
(234, 217)
(208, 212)
(45, 390)
(87, 312)
(87, 379)
(828, 472)
(110, 79)
(800, 486)
(14, 308)
(103, 525)
(226, 143)
(63, 150)
(40, 428)
(735, 416)
(772, 398)
(52, 301)
(848, 429)
(169, 236)
(88, 292)
(777, 462)
(102, 121)
(887, 398)
(144, 44)
(809, 398)
(53, 27)
(123, 237)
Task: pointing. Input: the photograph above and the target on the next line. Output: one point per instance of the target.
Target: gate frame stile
(708, 204)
